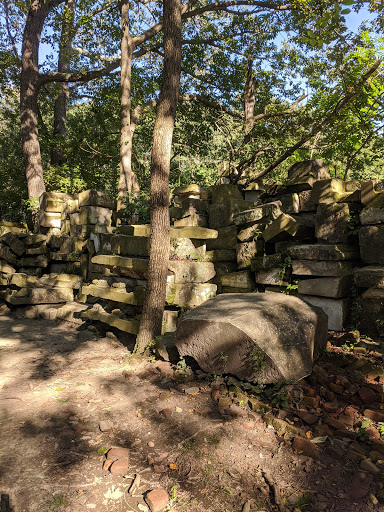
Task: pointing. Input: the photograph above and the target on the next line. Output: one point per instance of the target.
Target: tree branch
(76, 77)
(211, 104)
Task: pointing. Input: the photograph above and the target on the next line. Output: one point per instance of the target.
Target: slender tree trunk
(58, 156)
(127, 178)
(153, 309)
(29, 89)
(249, 101)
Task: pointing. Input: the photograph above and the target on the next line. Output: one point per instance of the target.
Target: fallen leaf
(173, 466)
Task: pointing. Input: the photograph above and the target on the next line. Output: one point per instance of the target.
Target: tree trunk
(58, 156)
(153, 309)
(127, 178)
(29, 89)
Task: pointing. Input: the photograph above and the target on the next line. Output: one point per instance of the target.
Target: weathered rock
(267, 262)
(96, 198)
(226, 239)
(225, 191)
(187, 249)
(193, 207)
(166, 348)
(273, 277)
(307, 171)
(222, 213)
(87, 229)
(130, 325)
(289, 203)
(46, 281)
(334, 287)
(220, 255)
(369, 277)
(305, 447)
(322, 268)
(247, 251)
(338, 252)
(50, 219)
(34, 261)
(26, 296)
(157, 500)
(192, 221)
(372, 216)
(251, 232)
(191, 190)
(135, 298)
(372, 193)
(243, 280)
(373, 293)
(266, 337)
(328, 191)
(12, 227)
(284, 228)
(136, 266)
(34, 239)
(14, 243)
(126, 245)
(95, 215)
(336, 309)
(332, 223)
(371, 240)
(186, 271)
(7, 255)
(269, 211)
(305, 201)
(189, 295)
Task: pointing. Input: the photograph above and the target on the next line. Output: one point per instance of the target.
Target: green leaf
(102, 450)
(59, 388)
(345, 11)
(348, 2)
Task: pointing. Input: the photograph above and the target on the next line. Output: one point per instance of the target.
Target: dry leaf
(173, 466)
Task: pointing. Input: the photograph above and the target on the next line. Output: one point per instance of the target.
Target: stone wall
(301, 237)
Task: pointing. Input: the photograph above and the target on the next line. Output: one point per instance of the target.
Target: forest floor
(67, 397)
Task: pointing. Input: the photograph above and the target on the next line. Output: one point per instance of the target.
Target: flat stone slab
(371, 240)
(96, 198)
(239, 280)
(336, 309)
(193, 232)
(186, 271)
(333, 287)
(257, 337)
(331, 252)
(189, 295)
(26, 296)
(221, 255)
(22, 280)
(372, 216)
(369, 277)
(95, 215)
(137, 265)
(269, 211)
(135, 298)
(273, 277)
(322, 268)
(126, 325)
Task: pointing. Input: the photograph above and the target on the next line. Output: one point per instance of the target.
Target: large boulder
(257, 337)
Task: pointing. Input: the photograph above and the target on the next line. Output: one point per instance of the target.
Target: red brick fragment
(305, 447)
(119, 467)
(374, 415)
(367, 395)
(312, 401)
(157, 500)
(334, 423)
(117, 452)
(360, 485)
(330, 407)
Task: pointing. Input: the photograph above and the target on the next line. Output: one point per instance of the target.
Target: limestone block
(247, 251)
(192, 221)
(26, 296)
(166, 348)
(96, 198)
(7, 255)
(169, 323)
(126, 245)
(50, 219)
(95, 215)
(192, 271)
(305, 201)
(34, 239)
(252, 195)
(369, 277)
(322, 268)
(193, 232)
(71, 312)
(372, 193)
(251, 232)
(186, 248)
(65, 256)
(242, 280)
(87, 229)
(137, 267)
(266, 212)
(225, 191)
(336, 309)
(226, 239)
(225, 267)
(272, 277)
(193, 207)
(6, 268)
(220, 255)
(14, 243)
(308, 171)
(33, 261)
(191, 190)
(370, 315)
(283, 228)
(267, 262)
(373, 293)
(306, 219)
(52, 205)
(175, 212)
(189, 295)
(12, 227)
(134, 298)
(372, 216)
(328, 191)
(126, 325)
(332, 223)
(371, 240)
(334, 287)
(335, 252)
(257, 337)
(223, 212)
(290, 203)
(35, 251)
(22, 280)
(75, 219)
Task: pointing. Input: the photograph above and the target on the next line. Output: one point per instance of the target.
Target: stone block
(370, 316)
(71, 312)
(136, 266)
(35, 251)
(88, 229)
(26, 296)
(336, 309)
(271, 277)
(220, 255)
(223, 212)
(225, 191)
(373, 293)
(70, 267)
(266, 337)
(251, 232)
(306, 219)
(305, 201)
(187, 249)
(46, 281)
(14, 243)
(371, 240)
(283, 228)
(369, 277)
(322, 268)
(252, 195)
(247, 251)
(175, 212)
(166, 348)
(225, 267)
(34, 261)
(96, 198)
(192, 221)
(123, 324)
(189, 295)
(50, 219)
(7, 255)
(34, 239)
(134, 298)
(243, 280)
(328, 252)
(372, 216)
(95, 215)
(6, 268)
(267, 262)
(372, 193)
(332, 223)
(193, 207)
(75, 219)
(126, 245)
(308, 171)
(65, 256)
(191, 271)
(290, 203)
(226, 239)
(333, 287)
(266, 212)
(191, 190)
(328, 191)
(12, 227)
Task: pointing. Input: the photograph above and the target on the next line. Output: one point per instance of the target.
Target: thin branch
(11, 37)
(211, 104)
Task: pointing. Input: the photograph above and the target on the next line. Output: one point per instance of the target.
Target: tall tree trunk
(29, 89)
(153, 309)
(58, 156)
(127, 178)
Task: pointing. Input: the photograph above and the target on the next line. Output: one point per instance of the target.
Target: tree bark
(58, 156)
(153, 309)
(127, 179)
(29, 90)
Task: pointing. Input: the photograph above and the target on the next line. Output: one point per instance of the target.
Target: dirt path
(66, 399)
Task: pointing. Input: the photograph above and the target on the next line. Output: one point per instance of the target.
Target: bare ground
(65, 400)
